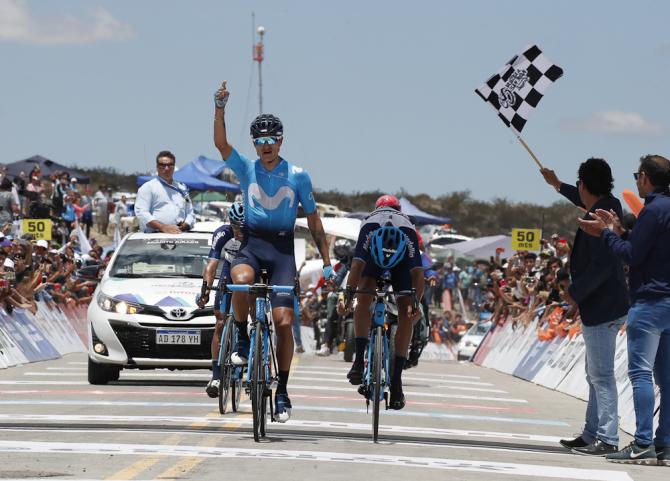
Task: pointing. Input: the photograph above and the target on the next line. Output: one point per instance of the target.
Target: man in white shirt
(163, 204)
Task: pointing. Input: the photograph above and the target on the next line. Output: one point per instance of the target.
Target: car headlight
(110, 304)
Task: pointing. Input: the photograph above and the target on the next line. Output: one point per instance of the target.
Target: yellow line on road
(143, 464)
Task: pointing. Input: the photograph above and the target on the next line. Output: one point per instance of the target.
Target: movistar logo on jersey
(257, 195)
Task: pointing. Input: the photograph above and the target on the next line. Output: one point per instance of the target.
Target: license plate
(178, 336)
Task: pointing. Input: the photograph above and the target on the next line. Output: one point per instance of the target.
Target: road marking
(353, 398)
(296, 410)
(58, 368)
(179, 469)
(321, 426)
(412, 393)
(112, 391)
(511, 469)
(46, 383)
(202, 377)
(345, 370)
(345, 381)
(132, 471)
(357, 399)
(407, 378)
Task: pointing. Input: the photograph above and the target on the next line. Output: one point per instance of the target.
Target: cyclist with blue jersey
(272, 189)
(387, 242)
(226, 241)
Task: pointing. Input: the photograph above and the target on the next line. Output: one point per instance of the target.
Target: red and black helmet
(388, 200)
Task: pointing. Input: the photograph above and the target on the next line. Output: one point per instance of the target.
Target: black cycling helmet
(344, 249)
(266, 125)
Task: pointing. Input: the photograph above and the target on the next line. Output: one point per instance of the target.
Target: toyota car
(144, 315)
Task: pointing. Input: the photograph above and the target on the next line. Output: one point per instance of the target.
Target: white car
(469, 343)
(143, 314)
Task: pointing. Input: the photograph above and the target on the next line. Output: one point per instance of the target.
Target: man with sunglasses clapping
(272, 189)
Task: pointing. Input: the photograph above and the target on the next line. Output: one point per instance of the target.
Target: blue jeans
(649, 351)
(602, 420)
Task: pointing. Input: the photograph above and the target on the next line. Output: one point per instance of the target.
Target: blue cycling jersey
(224, 244)
(271, 197)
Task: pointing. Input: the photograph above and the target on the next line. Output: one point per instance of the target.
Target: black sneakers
(634, 454)
(212, 388)
(596, 448)
(355, 374)
(578, 442)
(397, 400)
(663, 455)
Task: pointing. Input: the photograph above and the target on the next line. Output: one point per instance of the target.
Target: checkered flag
(519, 86)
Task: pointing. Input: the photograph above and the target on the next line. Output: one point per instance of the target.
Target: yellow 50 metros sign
(40, 228)
(526, 239)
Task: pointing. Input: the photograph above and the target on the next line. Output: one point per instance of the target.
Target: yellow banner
(40, 228)
(526, 239)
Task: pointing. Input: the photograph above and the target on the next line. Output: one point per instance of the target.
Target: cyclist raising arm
(272, 190)
(387, 242)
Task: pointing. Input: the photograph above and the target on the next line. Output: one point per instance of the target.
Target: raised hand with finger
(221, 95)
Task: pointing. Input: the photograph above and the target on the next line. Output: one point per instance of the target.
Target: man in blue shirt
(163, 204)
(272, 188)
(646, 250)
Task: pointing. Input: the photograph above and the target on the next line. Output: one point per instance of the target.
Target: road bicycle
(376, 374)
(262, 366)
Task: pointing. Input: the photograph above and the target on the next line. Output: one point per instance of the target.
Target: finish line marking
(293, 423)
(512, 469)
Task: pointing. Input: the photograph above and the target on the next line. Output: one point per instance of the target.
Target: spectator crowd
(516, 289)
(61, 271)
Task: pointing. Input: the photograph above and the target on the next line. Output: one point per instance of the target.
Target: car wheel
(101, 374)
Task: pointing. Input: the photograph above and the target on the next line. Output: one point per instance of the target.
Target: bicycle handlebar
(259, 288)
(349, 293)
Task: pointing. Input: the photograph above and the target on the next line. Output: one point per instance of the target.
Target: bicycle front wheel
(258, 385)
(376, 379)
(226, 365)
(236, 384)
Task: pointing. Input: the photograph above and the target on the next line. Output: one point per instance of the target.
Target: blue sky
(373, 95)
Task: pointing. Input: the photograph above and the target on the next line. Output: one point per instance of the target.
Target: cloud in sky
(615, 122)
(19, 24)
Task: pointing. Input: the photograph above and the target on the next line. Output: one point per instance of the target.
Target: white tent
(484, 247)
(337, 226)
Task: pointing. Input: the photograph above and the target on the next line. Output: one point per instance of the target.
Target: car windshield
(164, 257)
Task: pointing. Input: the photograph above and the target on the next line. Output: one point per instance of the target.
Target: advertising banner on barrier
(561, 363)
(558, 364)
(27, 337)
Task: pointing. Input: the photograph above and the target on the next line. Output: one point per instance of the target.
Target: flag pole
(532, 154)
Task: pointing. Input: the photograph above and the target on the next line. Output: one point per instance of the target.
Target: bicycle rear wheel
(376, 379)
(226, 366)
(258, 384)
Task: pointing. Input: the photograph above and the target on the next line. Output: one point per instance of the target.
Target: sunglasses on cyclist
(266, 140)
